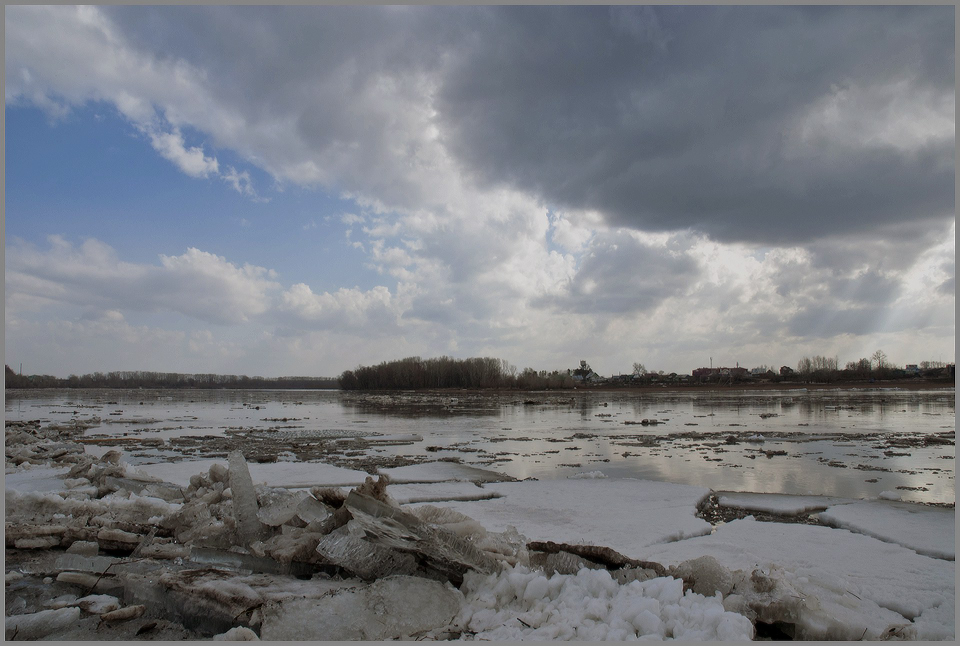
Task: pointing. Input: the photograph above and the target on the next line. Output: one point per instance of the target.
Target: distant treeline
(145, 379)
(446, 372)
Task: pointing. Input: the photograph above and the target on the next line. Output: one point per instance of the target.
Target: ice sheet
(926, 530)
(442, 471)
(777, 503)
(36, 479)
(291, 475)
(892, 576)
(626, 515)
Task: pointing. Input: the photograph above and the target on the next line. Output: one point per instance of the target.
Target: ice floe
(626, 515)
(827, 563)
(926, 530)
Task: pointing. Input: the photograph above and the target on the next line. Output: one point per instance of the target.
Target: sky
(300, 190)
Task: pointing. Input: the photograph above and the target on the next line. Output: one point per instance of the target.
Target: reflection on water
(829, 442)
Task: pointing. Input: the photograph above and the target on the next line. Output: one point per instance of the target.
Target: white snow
(519, 604)
(441, 471)
(777, 503)
(626, 515)
(828, 561)
(291, 475)
(926, 530)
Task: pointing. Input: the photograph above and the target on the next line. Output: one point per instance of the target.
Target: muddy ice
(100, 550)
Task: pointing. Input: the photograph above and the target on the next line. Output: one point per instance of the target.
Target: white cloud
(373, 312)
(191, 160)
(197, 284)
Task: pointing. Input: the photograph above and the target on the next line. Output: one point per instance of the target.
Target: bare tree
(879, 358)
(639, 370)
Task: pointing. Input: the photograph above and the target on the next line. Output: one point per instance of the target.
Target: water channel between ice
(847, 443)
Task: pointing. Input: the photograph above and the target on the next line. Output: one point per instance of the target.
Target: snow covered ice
(221, 549)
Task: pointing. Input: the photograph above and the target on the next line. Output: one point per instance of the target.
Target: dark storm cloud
(682, 116)
(716, 119)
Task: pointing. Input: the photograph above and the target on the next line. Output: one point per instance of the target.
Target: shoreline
(899, 384)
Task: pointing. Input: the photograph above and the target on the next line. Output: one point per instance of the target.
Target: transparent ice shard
(438, 549)
(362, 558)
(245, 506)
(281, 508)
(247, 562)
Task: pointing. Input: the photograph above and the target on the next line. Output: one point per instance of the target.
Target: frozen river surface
(847, 443)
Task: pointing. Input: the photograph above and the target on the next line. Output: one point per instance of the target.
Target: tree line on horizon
(164, 380)
(414, 373)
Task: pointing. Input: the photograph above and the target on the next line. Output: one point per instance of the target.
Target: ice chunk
(442, 472)
(63, 601)
(397, 607)
(246, 562)
(852, 582)
(440, 492)
(777, 503)
(520, 604)
(245, 505)
(587, 475)
(162, 490)
(311, 510)
(438, 549)
(280, 506)
(38, 625)
(704, 575)
(84, 548)
(124, 614)
(238, 634)
(98, 603)
(364, 559)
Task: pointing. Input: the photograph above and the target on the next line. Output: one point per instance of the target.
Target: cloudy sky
(277, 191)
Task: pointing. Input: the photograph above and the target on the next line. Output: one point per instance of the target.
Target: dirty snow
(825, 560)
(442, 471)
(777, 503)
(440, 492)
(520, 604)
(587, 475)
(926, 530)
(615, 513)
